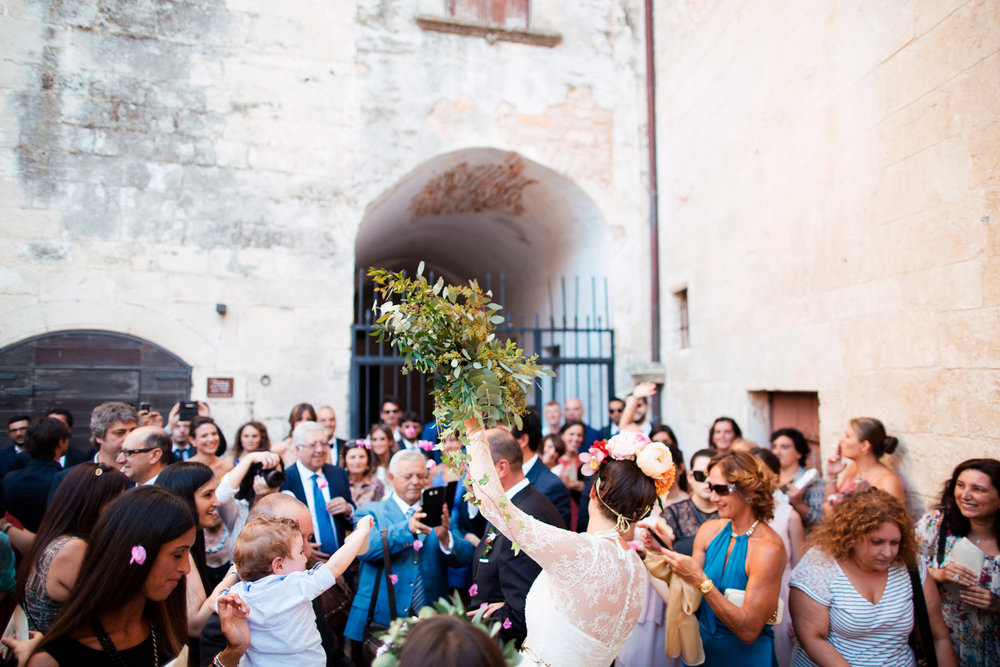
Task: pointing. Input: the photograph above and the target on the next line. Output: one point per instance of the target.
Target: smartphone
(188, 411)
(145, 407)
(449, 494)
(432, 503)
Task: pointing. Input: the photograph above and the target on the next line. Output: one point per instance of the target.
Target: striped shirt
(864, 633)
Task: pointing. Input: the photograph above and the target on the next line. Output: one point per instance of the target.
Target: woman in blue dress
(737, 551)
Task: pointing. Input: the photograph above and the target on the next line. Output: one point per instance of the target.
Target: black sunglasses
(722, 489)
(699, 475)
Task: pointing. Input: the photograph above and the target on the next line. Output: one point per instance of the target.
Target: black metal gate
(77, 370)
(578, 345)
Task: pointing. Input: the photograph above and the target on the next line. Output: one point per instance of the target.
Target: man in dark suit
(322, 487)
(502, 578)
(327, 418)
(110, 423)
(528, 438)
(419, 555)
(26, 491)
(17, 427)
(615, 407)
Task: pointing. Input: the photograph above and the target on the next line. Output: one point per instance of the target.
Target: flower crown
(652, 458)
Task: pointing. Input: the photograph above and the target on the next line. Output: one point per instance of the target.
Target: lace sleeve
(565, 555)
(814, 574)
(927, 529)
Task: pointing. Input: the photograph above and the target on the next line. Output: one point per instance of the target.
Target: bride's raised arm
(564, 554)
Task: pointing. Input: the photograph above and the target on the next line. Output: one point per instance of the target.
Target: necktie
(418, 584)
(327, 535)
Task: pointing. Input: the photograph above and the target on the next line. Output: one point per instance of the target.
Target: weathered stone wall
(159, 158)
(830, 175)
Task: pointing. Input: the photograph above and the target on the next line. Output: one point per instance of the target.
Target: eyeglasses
(722, 489)
(612, 411)
(699, 475)
(129, 452)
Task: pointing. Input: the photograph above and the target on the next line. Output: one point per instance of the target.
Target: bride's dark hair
(624, 489)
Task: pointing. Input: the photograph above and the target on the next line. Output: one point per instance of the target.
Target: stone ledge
(491, 33)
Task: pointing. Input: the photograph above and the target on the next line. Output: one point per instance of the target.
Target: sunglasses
(722, 489)
(699, 475)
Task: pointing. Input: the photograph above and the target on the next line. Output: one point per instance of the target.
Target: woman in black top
(127, 609)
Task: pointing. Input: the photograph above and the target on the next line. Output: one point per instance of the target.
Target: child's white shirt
(281, 619)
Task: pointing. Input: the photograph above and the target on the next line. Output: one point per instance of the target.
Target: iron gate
(578, 346)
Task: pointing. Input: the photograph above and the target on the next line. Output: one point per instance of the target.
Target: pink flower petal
(484, 605)
(417, 545)
(506, 624)
(635, 544)
(393, 578)
(138, 555)
(430, 464)
(473, 591)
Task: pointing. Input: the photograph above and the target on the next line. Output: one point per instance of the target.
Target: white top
(585, 603)
(282, 621)
(529, 464)
(306, 475)
(232, 511)
(865, 634)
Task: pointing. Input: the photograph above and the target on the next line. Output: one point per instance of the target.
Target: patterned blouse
(975, 633)
(367, 490)
(40, 609)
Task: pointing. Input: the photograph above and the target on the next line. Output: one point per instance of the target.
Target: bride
(585, 603)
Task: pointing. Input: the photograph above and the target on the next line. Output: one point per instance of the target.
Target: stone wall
(829, 196)
(159, 158)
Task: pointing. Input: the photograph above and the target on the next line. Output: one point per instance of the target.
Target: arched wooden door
(77, 370)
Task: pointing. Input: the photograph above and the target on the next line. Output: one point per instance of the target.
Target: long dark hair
(147, 516)
(265, 439)
(74, 510)
(711, 429)
(953, 522)
(183, 479)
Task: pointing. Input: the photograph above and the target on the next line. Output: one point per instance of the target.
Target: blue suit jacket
(548, 483)
(336, 477)
(405, 562)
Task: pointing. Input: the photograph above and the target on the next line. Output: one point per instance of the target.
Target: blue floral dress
(975, 633)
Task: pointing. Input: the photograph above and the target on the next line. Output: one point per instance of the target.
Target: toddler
(270, 558)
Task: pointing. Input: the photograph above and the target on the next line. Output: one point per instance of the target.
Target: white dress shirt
(306, 475)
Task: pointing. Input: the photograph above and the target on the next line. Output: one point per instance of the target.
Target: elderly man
(419, 555)
(574, 412)
(503, 577)
(322, 487)
(145, 452)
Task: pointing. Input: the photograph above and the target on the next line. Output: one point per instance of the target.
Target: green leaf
(517, 546)
(497, 319)
(486, 479)
(420, 268)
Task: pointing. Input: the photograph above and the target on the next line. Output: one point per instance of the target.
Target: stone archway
(488, 214)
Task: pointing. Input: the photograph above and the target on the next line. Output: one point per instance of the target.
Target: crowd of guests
(165, 537)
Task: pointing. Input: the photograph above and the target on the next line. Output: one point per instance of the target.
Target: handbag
(736, 596)
(921, 639)
(372, 641)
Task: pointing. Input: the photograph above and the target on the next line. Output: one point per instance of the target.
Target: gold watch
(706, 587)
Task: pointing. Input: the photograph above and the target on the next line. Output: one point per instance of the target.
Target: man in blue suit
(529, 437)
(322, 487)
(421, 572)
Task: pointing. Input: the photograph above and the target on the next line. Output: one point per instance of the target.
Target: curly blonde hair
(860, 514)
(754, 480)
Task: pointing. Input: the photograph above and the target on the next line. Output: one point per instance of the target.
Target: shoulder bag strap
(942, 535)
(390, 589)
(923, 621)
(371, 607)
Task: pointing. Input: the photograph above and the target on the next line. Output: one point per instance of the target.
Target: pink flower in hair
(506, 624)
(625, 445)
(425, 445)
(138, 555)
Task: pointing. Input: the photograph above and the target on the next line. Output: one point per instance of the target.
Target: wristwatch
(706, 587)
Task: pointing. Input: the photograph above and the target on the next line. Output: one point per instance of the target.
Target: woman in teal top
(736, 551)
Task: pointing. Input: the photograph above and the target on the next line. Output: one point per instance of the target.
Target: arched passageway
(512, 224)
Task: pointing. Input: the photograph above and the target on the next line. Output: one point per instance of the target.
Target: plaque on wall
(220, 388)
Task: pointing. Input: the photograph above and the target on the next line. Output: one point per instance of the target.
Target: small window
(508, 13)
(683, 339)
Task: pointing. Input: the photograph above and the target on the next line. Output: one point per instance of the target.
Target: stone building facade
(828, 189)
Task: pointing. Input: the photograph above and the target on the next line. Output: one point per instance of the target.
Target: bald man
(144, 454)
(574, 412)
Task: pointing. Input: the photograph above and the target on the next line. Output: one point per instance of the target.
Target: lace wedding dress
(585, 603)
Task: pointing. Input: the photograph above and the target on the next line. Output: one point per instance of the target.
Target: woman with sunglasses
(686, 516)
(738, 551)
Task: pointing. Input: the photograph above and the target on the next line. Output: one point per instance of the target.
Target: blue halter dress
(722, 647)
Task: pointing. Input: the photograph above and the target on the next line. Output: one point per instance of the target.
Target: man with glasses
(615, 407)
(322, 487)
(110, 423)
(145, 452)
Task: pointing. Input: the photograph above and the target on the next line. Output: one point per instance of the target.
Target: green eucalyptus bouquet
(448, 330)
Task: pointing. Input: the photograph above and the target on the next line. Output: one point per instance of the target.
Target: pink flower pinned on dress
(393, 578)
(425, 445)
(473, 591)
(417, 545)
(138, 555)
(636, 545)
(366, 443)
(430, 464)
(506, 624)
(322, 483)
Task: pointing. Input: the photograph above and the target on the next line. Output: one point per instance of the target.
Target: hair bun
(891, 442)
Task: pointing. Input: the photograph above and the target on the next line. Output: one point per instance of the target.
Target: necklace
(112, 652)
(222, 540)
(752, 526)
